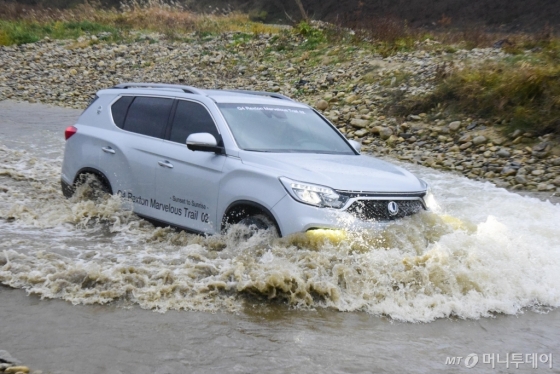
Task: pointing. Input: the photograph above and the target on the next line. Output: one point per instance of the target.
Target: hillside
(503, 15)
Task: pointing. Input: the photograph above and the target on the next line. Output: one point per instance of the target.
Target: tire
(259, 222)
(89, 186)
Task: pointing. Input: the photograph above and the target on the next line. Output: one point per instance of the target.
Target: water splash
(486, 251)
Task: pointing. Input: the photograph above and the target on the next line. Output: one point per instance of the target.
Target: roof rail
(187, 89)
(262, 93)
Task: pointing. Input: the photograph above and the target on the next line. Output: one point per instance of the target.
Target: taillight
(70, 130)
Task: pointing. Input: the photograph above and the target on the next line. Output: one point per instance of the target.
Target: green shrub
(313, 36)
(22, 32)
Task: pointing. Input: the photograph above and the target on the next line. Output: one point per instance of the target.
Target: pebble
(361, 123)
(454, 126)
(17, 369)
(321, 105)
(503, 153)
(477, 140)
(507, 171)
(385, 133)
(520, 179)
(465, 139)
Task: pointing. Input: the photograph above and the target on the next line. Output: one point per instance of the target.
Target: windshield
(276, 128)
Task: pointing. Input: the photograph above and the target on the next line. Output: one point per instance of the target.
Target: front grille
(379, 209)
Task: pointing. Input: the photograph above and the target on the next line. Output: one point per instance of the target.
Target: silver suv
(202, 159)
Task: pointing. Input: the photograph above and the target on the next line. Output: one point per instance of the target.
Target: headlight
(430, 200)
(313, 194)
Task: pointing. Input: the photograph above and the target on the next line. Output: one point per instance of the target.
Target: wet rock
(321, 105)
(542, 187)
(477, 140)
(556, 182)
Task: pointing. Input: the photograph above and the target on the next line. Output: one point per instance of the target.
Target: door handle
(108, 150)
(166, 164)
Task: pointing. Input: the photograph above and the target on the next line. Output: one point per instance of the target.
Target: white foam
(488, 251)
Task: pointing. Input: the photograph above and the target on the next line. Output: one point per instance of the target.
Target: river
(91, 288)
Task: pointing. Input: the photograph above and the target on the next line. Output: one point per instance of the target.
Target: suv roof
(218, 95)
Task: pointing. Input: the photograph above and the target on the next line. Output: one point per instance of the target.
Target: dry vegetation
(23, 24)
(522, 91)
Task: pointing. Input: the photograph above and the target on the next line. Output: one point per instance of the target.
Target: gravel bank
(354, 88)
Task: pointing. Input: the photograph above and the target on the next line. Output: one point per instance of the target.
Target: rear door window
(191, 118)
(148, 116)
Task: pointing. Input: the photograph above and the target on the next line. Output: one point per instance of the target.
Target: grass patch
(22, 32)
(21, 24)
(526, 95)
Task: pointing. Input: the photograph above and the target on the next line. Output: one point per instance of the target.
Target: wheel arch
(240, 209)
(89, 170)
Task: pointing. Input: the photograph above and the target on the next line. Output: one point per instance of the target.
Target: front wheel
(258, 222)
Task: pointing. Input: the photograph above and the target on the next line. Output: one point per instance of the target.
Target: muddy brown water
(90, 288)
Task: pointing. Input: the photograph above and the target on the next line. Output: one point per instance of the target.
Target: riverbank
(359, 89)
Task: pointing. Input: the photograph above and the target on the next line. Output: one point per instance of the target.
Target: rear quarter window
(119, 110)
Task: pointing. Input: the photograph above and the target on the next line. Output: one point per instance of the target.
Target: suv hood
(340, 172)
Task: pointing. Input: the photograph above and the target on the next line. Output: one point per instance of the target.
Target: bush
(526, 95)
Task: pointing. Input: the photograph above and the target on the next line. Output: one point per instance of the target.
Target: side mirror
(357, 146)
(204, 142)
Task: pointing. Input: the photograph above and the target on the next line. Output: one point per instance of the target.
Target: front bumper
(293, 216)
